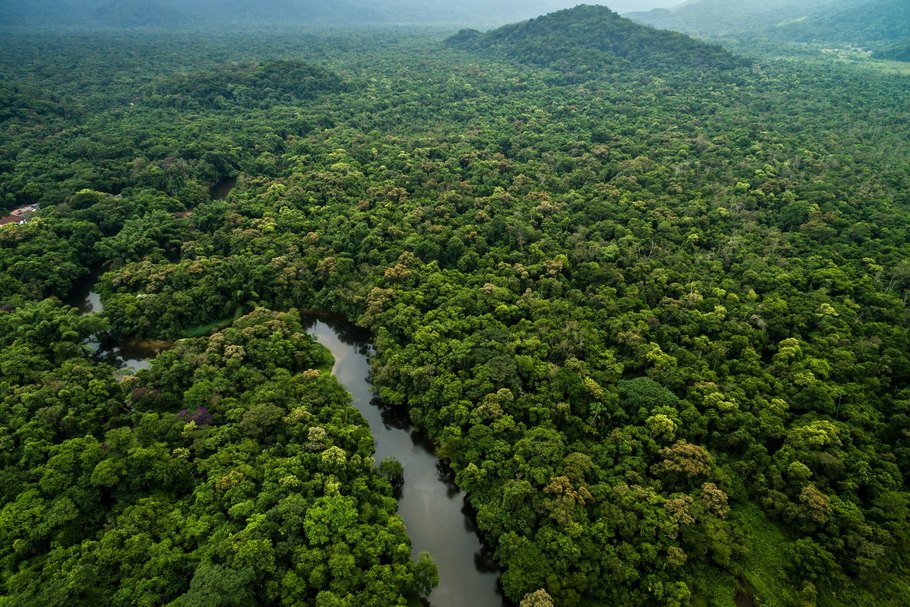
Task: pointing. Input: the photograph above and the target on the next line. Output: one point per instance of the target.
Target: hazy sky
(255, 12)
(620, 6)
(625, 6)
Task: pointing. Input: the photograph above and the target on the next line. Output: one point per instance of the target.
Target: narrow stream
(432, 507)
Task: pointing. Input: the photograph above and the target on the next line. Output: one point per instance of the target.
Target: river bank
(434, 510)
(432, 507)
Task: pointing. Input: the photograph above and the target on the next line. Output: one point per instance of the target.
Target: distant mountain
(139, 13)
(296, 12)
(35, 12)
(87, 6)
(354, 12)
(469, 11)
(253, 13)
(875, 22)
(730, 17)
(592, 40)
(868, 23)
(180, 13)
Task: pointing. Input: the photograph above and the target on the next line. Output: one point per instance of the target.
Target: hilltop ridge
(594, 39)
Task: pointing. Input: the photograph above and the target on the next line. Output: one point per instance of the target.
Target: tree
(392, 469)
(540, 598)
(218, 586)
(426, 577)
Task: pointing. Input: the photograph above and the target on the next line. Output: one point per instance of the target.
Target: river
(432, 507)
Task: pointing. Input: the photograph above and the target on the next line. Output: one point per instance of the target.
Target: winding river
(430, 504)
(432, 507)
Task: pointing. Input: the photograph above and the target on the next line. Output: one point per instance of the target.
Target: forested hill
(875, 24)
(593, 39)
(871, 23)
(723, 17)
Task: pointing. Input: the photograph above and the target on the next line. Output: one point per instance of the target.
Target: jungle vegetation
(653, 314)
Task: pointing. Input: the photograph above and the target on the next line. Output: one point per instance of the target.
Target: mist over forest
(250, 13)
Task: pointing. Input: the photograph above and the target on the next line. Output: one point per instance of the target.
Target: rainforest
(643, 295)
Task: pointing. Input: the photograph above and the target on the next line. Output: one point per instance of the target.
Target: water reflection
(438, 518)
(130, 355)
(89, 303)
(434, 510)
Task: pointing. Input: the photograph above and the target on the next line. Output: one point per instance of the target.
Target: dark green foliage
(593, 39)
(898, 52)
(24, 104)
(393, 471)
(45, 257)
(644, 394)
(260, 84)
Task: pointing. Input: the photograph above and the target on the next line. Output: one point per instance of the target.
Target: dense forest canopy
(899, 51)
(259, 84)
(647, 299)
